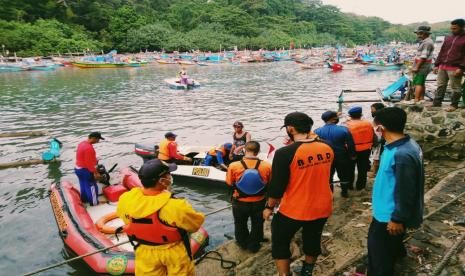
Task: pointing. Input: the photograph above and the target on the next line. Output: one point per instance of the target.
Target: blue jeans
(88, 185)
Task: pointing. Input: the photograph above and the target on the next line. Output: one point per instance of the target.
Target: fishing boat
(166, 61)
(85, 229)
(197, 172)
(13, 67)
(384, 67)
(136, 63)
(174, 83)
(186, 62)
(85, 65)
(399, 85)
(42, 67)
(311, 65)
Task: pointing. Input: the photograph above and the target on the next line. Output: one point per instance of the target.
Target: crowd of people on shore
(296, 190)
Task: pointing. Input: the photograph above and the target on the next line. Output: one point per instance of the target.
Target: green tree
(121, 22)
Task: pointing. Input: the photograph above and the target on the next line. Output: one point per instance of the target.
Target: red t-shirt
(173, 151)
(86, 156)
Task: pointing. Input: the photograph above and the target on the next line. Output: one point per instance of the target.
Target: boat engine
(146, 152)
(104, 173)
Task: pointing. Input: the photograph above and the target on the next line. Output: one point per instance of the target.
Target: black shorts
(283, 230)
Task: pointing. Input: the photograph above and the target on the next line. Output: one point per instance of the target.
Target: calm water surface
(134, 105)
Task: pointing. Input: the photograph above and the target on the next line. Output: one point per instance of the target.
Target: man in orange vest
(363, 135)
(168, 151)
(249, 178)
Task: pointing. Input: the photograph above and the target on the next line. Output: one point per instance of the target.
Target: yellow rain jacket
(167, 259)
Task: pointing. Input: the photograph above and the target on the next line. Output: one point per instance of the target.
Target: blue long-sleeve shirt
(339, 138)
(399, 185)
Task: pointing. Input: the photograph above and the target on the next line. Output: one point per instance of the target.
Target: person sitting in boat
(240, 137)
(163, 246)
(183, 78)
(248, 178)
(168, 151)
(86, 168)
(216, 156)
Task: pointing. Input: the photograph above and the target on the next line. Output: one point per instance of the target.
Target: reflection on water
(134, 105)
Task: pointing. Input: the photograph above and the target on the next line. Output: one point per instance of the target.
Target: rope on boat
(116, 245)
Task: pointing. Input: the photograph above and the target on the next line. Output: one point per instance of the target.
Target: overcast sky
(404, 11)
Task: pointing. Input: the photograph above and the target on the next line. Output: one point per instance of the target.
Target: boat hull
(98, 65)
(174, 84)
(80, 234)
(372, 68)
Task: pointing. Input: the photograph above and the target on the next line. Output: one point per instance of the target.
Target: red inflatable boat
(86, 229)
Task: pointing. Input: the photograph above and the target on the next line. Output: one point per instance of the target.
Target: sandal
(451, 108)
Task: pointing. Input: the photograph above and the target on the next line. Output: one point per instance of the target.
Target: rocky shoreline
(442, 136)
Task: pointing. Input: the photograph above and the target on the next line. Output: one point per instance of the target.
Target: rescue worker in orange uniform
(216, 156)
(163, 243)
(300, 186)
(248, 178)
(168, 151)
(363, 135)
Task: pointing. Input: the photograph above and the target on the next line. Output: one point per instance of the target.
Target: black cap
(423, 29)
(328, 115)
(97, 135)
(170, 134)
(297, 119)
(153, 169)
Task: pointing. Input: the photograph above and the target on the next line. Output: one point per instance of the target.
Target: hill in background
(43, 27)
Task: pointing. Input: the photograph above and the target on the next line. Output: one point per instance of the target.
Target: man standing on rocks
(300, 185)
(422, 65)
(397, 193)
(450, 65)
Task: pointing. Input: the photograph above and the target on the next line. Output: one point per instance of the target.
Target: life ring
(101, 223)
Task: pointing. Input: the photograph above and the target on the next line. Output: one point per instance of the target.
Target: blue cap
(355, 109)
(170, 134)
(227, 146)
(328, 115)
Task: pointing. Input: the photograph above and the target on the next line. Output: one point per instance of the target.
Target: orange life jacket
(214, 150)
(150, 230)
(163, 153)
(362, 133)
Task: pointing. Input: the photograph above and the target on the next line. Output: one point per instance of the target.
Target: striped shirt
(425, 51)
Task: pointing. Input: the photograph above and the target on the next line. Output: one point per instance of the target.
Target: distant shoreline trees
(51, 26)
